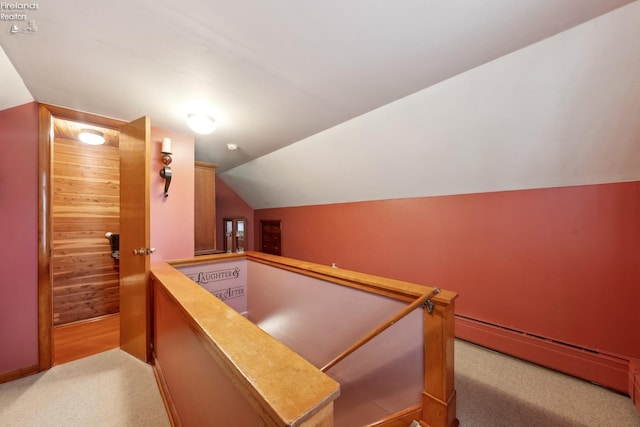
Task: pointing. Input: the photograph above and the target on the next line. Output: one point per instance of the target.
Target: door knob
(144, 251)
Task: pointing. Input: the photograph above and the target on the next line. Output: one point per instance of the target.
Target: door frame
(46, 115)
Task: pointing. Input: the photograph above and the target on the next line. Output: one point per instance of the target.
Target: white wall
(560, 112)
(14, 91)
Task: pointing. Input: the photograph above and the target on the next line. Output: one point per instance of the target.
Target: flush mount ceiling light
(91, 137)
(232, 146)
(201, 123)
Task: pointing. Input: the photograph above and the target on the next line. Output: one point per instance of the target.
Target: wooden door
(270, 237)
(134, 239)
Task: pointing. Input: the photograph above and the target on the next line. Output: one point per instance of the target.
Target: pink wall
(172, 217)
(229, 204)
(19, 231)
(558, 262)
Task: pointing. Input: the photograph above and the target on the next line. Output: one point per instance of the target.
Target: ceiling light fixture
(91, 137)
(201, 123)
(232, 146)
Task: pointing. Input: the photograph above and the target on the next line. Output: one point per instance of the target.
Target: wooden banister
(377, 331)
(207, 348)
(438, 405)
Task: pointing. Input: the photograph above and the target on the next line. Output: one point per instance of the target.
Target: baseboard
(606, 370)
(634, 382)
(5, 377)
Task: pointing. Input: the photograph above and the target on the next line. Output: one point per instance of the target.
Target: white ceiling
(271, 72)
(561, 112)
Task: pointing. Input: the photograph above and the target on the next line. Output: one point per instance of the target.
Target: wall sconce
(165, 172)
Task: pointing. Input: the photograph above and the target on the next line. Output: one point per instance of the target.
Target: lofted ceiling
(271, 73)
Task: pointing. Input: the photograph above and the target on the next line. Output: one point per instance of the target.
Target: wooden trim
(85, 321)
(396, 289)
(81, 116)
(18, 373)
(400, 419)
(46, 114)
(205, 259)
(377, 331)
(45, 297)
(439, 396)
(206, 165)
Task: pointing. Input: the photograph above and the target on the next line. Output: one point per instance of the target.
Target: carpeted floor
(113, 389)
(105, 390)
(495, 390)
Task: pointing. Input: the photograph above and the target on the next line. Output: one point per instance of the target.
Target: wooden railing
(383, 327)
(274, 374)
(215, 367)
(438, 407)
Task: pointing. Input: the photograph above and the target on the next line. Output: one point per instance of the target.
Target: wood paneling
(84, 206)
(82, 339)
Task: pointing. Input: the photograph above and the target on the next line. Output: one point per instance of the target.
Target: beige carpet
(108, 389)
(495, 390)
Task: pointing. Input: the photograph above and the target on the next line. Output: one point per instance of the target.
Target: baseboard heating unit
(611, 371)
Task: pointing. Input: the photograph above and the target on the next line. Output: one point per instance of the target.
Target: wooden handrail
(216, 340)
(377, 331)
(438, 406)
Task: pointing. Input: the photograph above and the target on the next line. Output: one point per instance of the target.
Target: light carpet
(494, 390)
(104, 390)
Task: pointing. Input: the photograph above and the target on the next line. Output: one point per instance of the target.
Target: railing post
(439, 395)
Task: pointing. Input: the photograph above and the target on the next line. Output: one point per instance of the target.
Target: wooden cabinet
(205, 208)
(270, 237)
(235, 230)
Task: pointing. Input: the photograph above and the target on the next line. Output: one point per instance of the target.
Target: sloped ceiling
(14, 91)
(561, 112)
(272, 73)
